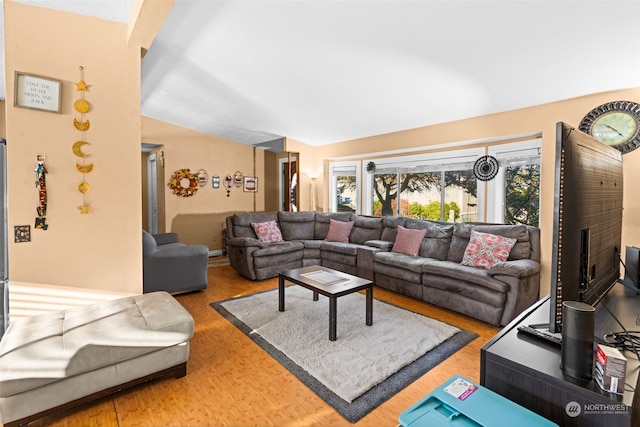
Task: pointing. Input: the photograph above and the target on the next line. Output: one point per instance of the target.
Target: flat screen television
(587, 227)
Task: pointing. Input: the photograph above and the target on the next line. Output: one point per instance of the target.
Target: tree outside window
(522, 196)
(421, 195)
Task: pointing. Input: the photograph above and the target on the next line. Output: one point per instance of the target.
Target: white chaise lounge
(58, 360)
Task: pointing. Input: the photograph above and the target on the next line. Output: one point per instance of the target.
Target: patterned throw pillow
(339, 231)
(267, 232)
(485, 250)
(408, 240)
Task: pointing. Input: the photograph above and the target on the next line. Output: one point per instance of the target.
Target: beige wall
(100, 250)
(539, 119)
(199, 218)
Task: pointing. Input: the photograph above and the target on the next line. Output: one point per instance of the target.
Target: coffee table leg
(369, 303)
(281, 293)
(315, 296)
(333, 302)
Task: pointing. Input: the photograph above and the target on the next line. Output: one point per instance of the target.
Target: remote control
(542, 335)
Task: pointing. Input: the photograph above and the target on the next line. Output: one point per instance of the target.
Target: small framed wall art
(250, 184)
(36, 92)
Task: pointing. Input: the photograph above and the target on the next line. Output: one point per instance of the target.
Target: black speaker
(577, 339)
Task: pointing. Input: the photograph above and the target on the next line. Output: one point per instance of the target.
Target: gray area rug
(366, 365)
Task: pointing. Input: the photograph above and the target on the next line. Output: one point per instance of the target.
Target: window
(514, 194)
(442, 186)
(344, 187)
(438, 186)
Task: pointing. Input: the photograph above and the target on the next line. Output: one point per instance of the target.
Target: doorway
(152, 189)
(289, 180)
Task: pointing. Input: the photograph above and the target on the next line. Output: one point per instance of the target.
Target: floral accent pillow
(485, 250)
(408, 241)
(267, 232)
(339, 231)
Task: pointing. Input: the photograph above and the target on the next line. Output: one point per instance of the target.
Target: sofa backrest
(365, 229)
(521, 250)
(391, 224)
(437, 237)
(242, 222)
(297, 225)
(324, 218)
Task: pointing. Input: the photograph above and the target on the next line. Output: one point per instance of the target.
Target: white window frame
(339, 169)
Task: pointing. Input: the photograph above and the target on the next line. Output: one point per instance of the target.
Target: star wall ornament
(81, 85)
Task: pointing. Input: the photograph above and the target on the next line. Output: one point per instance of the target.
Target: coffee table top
(326, 280)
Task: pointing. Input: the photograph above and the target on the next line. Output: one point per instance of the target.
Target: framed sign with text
(37, 92)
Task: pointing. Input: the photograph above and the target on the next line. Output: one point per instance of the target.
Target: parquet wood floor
(232, 382)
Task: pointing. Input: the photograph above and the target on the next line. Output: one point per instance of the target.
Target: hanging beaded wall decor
(82, 125)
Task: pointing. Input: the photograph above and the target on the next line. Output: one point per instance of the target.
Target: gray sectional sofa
(495, 295)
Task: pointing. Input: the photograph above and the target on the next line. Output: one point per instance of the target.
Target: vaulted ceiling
(327, 71)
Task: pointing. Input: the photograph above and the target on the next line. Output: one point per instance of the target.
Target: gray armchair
(171, 266)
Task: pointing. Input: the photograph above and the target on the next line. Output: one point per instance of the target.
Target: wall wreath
(176, 183)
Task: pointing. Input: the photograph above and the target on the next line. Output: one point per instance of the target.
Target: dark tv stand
(527, 370)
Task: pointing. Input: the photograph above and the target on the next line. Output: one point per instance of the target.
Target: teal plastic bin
(460, 402)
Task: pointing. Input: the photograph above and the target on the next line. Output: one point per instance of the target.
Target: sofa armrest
(364, 261)
(523, 278)
(240, 254)
(165, 238)
(245, 242)
(383, 245)
(181, 251)
(516, 268)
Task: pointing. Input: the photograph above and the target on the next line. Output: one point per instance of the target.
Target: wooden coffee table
(330, 283)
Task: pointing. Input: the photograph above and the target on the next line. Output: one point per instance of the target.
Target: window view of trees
(522, 204)
(421, 195)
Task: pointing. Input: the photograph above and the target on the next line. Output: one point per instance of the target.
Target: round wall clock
(615, 123)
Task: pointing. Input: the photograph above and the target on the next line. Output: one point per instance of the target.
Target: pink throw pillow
(267, 232)
(339, 231)
(485, 250)
(408, 241)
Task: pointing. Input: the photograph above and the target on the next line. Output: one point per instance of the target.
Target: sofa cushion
(463, 273)
(278, 254)
(485, 250)
(297, 225)
(462, 234)
(384, 260)
(339, 231)
(324, 218)
(437, 237)
(408, 241)
(365, 229)
(267, 232)
(339, 247)
(391, 224)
